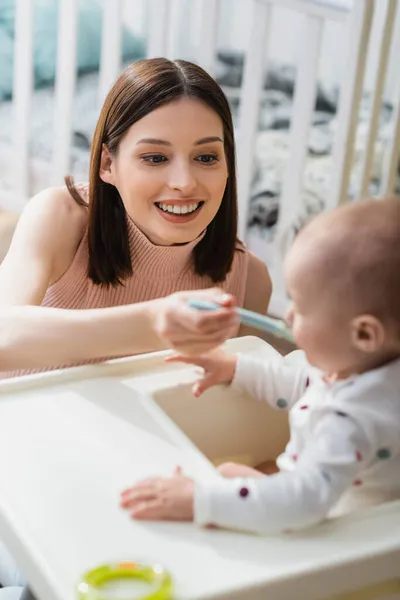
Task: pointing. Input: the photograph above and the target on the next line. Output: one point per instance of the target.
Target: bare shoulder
(57, 205)
(52, 216)
(50, 228)
(258, 285)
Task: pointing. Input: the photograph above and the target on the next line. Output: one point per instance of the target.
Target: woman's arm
(36, 336)
(258, 291)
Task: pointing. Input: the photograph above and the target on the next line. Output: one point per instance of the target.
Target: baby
(343, 278)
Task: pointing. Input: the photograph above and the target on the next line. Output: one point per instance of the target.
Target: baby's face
(318, 317)
(335, 273)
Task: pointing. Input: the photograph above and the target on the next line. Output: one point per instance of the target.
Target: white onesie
(343, 453)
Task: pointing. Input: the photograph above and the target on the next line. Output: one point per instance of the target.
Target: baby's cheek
(297, 325)
(303, 334)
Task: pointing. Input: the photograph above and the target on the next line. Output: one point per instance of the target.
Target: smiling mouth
(179, 209)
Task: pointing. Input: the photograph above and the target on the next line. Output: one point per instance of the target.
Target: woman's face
(170, 171)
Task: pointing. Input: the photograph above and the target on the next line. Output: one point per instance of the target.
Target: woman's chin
(175, 239)
(174, 233)
(170, 236)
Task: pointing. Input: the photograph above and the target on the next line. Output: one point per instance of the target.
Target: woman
(158, 216)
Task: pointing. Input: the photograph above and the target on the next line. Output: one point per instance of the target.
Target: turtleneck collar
(159, 262)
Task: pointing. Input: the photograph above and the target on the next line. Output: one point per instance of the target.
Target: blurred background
(314, 88)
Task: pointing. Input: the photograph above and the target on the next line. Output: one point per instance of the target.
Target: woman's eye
(154, 159)
(207, 159)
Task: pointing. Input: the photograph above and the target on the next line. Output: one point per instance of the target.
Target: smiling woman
(158, 216)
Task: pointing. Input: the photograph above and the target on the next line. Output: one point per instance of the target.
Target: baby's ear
(367, 333)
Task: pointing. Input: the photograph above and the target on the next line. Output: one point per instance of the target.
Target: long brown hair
(140, 89)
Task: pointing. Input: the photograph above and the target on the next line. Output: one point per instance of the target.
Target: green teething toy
(91, 585)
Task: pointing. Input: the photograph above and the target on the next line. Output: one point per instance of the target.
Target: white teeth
(178, 209)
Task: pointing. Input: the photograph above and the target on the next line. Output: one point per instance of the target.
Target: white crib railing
(65, 88)
(358, 22)
(391, 159)
(379, 81)
(110, 60)
(23, 77)
(253, 76)
(165, 22)
(359, 28)
(303, 108)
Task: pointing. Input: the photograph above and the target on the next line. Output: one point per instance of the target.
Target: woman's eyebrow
(154, 141)
(207, 140)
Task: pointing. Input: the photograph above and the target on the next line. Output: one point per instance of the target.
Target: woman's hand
(161, 499)
(219, 367)
(190, 331)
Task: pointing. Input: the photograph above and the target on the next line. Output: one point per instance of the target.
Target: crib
(301, 149)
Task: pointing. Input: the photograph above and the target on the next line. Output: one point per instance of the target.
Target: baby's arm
(330, 464)
(276, 381)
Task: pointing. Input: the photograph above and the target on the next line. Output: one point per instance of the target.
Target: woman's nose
(182, 179)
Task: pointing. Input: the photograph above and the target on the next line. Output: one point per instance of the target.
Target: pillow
(45, 41)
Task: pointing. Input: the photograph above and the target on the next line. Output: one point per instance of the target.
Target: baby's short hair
(359, 249)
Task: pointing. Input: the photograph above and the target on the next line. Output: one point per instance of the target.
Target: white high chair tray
(71, 441)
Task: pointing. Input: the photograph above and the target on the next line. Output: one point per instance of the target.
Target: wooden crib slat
(303, 109)
(194, 16)
(22, 93)
(392, 154)
(253, 79)
(110, 61)
(377, 86)
(164, 24)
(64, 89)
(174, 27)
(359, 28)
(157, 17)
(207, 30)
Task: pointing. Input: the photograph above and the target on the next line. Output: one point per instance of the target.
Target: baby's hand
(219, 367)
(161, 499)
